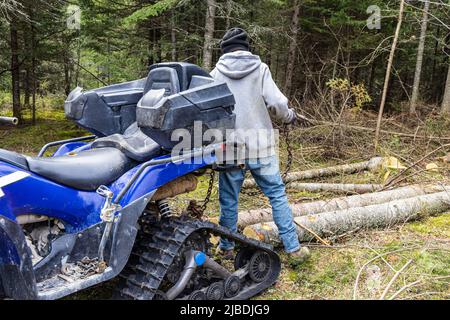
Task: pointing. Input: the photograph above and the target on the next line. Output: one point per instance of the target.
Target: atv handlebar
(9, 120)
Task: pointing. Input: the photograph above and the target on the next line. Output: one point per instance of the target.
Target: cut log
(335, 187)
(331, 224)
(372, 165)
(250, 217)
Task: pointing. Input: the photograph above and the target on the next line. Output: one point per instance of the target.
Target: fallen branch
(338, 222)
(372, 164)
(392, 179)
(412, 284)
(323, 241)
(358, 276)
(394, 133)
(397, 274)
(250, 217)
(335, 187)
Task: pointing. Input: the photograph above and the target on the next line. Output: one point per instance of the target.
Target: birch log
(372, 165)
(335, 187)
(336, 223)
(250, 217)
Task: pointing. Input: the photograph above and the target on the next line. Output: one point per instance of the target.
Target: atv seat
(16, 159)
(133, 143)
(86, 170)
(163, 78)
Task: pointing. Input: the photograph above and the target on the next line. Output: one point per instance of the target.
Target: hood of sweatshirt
(239, 64)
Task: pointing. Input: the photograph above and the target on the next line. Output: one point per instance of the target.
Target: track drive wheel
(215, 291)
(242, 258)
(197, 295)
(260, 266)
(232, 286)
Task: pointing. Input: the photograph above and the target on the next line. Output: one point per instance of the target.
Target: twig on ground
(401, 134)
(394, 178)
(313, 233)
(397, 274)
(358, 276)
(412, 284)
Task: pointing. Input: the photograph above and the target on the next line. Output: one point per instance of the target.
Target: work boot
(298, 257)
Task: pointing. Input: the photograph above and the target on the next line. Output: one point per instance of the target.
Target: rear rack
(58, 143)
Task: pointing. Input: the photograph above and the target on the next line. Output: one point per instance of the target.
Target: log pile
(250, 217)
(335, 217)
(371, 207)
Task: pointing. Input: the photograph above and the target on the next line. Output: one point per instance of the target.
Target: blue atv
(98, 208)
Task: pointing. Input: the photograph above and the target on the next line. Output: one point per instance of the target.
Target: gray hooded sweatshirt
(257, 98)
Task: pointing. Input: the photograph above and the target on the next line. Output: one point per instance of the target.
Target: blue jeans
(266, 173)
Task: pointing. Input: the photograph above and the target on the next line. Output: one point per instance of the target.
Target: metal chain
(81, 269)
(209, 192)
(289, 151)
(203, 207)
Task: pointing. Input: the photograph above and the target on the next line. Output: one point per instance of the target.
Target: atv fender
(16, 270)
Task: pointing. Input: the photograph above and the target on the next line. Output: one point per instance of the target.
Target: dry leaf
(393, 163)
(432, 167)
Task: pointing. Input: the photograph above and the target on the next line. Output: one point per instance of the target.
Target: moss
(433, 226)
(433, 262)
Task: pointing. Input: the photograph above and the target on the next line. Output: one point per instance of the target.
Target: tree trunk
(255, 216)
(15, 71)
(388, 72)
(173, 36)
(335, 187)
(372, 164)
(420, 50)
(157, 52)
(431, 87)
(292, 53)
(25, 26)
(209, 34)
(67, 79)
(150, 44)
(332, 224)
(229, 9)
(33, 66)
(446, 100)
(27, 85)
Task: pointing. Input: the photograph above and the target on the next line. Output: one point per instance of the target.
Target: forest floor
(332, 272)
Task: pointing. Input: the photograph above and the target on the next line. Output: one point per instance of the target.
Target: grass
(51, 126)
(332, 271)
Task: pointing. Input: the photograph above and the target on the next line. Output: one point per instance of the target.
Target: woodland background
(305, 43)
(334, 69)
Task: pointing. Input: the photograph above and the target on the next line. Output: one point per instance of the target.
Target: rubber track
(156, 249)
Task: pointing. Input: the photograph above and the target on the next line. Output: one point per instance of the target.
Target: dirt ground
(358, 265)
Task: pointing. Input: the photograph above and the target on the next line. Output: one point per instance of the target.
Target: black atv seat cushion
(133, 143)
(86, 170)
(14, 158)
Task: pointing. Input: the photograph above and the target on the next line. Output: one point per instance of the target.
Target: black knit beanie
(234, 39)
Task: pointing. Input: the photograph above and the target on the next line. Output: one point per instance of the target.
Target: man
(257, 97)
